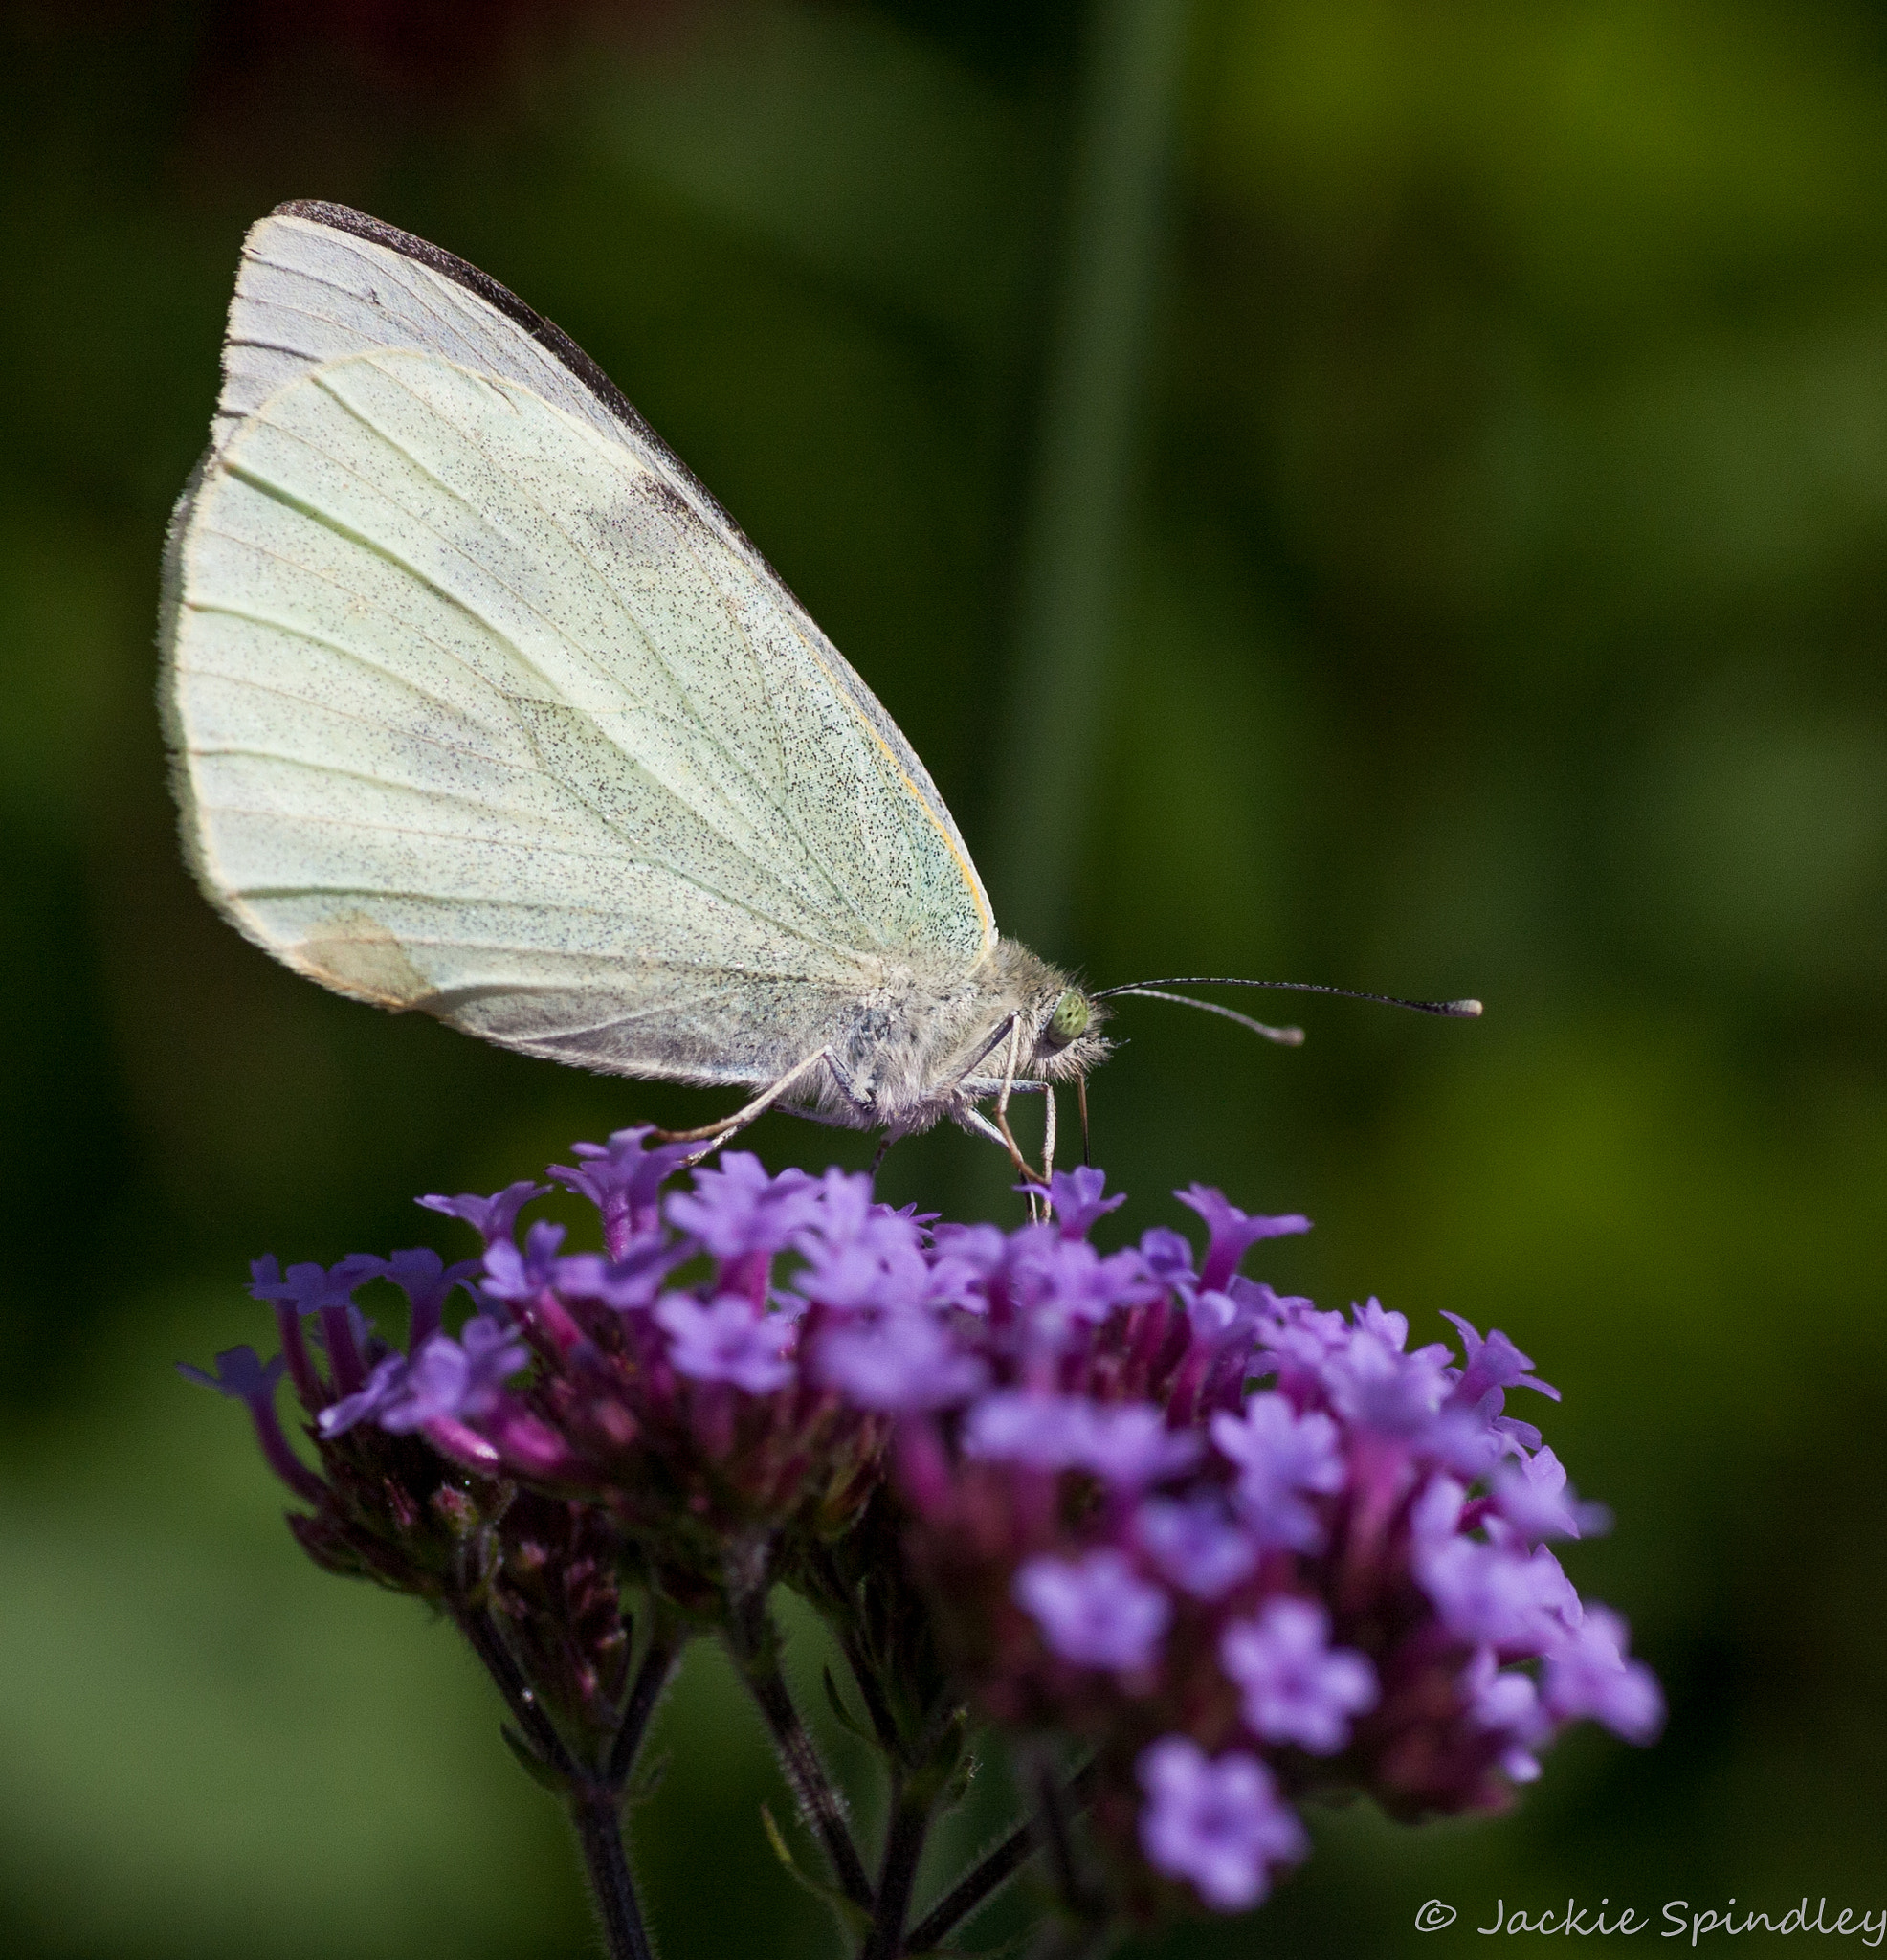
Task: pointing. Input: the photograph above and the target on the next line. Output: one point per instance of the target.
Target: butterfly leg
(1009, 1144)
(714, 1134)
(970, 1084)
(1039, 1207)
(974, 1121)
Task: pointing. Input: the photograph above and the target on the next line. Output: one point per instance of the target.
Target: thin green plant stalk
(912, 1807)
(592, 1794)
(753, 1641)
(1066, 620)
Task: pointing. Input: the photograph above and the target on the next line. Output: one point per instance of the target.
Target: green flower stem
(592, 1797)
(865, 1677)
(992, 1871)
(538, 1731)
(651, 1676)
(913, 1804)
(1083, 1903)
(754, 1643)
(980, 1882)
(596, 1813)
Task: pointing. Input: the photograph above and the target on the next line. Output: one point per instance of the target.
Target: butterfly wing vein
(481, 706)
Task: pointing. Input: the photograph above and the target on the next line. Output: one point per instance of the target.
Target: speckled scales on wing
(477, 715)
(320, 283)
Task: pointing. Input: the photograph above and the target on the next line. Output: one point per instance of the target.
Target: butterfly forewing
(479, 708)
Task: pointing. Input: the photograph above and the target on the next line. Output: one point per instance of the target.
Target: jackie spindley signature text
(1678, 1919)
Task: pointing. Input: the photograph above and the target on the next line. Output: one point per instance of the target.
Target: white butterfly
(481, 704)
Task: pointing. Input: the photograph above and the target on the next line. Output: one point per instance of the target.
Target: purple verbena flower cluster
(1250, 1551)
(1245, 1551)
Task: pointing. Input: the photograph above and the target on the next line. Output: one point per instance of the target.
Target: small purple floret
(428, 1283)
(1495, 1597)
(1494, 1365)
(245, 1377)
(1232, 1233)
(1221, 1824)
(624, 1285)
(1588, 1675)
(1077, 1202)
(623, 1179)
(371, 1403)
(1374, 1383)
(725, 1340)
(1532, 1496)
(963, 1257)
(1130, 1445)
(1095, 1611)
(493, 1217)
(1168, 1257)
(861, 1256)
(312, 1288)
(1039, 1431)
(241, 1375)
(1507, 1702)
(1274, 1446)
(1061, 1285)
(1196, 1544)
(458, 1381)
(899, 1361)
(520, 1275)
(1281, 1457)
(445, 1381)
(737, 1208)
(1296, 1686)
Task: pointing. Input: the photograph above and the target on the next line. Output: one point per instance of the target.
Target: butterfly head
(1065, 1022)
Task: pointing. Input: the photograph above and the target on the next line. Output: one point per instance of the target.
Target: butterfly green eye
(1069, 1019)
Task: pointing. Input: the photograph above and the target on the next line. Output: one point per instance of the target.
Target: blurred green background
(1392, 494)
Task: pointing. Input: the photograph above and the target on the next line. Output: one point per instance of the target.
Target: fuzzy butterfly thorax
(927, 1044)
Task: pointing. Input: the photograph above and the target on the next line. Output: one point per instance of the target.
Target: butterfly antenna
(1285, 1038)
(1449, 1010)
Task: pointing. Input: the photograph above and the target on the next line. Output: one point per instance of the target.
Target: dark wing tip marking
(549, 335)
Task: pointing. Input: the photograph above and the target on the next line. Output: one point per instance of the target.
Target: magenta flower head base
(1130, 1511)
